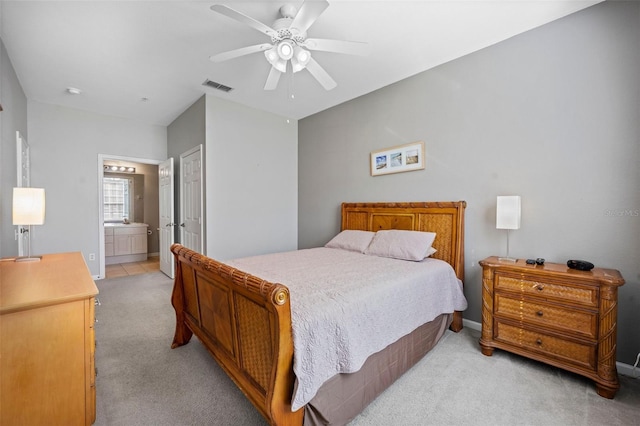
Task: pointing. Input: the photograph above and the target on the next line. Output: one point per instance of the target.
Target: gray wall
(252, 181)
(552, 115)
(65, 144)
(185, 132)
(250, 173)
(13, 118)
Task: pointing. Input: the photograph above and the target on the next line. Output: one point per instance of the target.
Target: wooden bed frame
(245, 321)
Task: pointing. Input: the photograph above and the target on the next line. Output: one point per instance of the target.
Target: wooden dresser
(47, 370)
(550, 313)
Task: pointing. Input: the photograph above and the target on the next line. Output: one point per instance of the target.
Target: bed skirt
(344, 396)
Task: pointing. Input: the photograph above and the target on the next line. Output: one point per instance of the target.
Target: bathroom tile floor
(123, 269)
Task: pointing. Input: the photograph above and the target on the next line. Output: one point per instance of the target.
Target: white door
(24, 172)
(191, 212)
(167, 234)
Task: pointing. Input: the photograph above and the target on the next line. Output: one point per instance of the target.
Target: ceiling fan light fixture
(285, 49)
(274, 59)
(272, 55)
(296, 66)
(280, 65)
(301, 55)
(300, 59)
(289, 42)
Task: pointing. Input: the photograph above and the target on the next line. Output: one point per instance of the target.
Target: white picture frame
(397, 159)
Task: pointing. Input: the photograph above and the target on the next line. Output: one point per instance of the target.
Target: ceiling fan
(289, 42)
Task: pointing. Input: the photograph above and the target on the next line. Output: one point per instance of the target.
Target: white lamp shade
(508, 212)
(28, 206)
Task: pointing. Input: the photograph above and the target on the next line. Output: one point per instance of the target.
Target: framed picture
(403, 158)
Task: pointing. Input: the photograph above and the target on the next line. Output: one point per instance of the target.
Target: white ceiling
(118, 52)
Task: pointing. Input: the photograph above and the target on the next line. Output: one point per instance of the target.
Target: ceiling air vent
(218, 86)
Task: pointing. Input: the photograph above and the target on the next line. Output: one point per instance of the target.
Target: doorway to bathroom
(128, 219)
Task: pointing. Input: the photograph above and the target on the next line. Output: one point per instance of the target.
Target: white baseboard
(623, 369)
(471, 324)
(627, 370)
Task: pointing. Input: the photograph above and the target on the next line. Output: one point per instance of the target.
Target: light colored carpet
(142, 381)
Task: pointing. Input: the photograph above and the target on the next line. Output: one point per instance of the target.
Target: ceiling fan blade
(308, 13)
(240, 17)
(338, 46)
(224, 56)
(321, 75)
(272, 79)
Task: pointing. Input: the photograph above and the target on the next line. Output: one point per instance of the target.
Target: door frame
(101, 159)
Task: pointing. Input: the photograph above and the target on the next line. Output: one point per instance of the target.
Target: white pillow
(351, 240)
(399, 244)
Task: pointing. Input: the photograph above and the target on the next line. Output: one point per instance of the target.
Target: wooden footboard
(245, 323)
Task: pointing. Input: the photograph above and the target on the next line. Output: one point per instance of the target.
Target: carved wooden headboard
(446, 219)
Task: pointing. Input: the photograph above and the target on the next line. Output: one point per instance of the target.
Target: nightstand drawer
(566, 351)
(572, 321)
(546, 288)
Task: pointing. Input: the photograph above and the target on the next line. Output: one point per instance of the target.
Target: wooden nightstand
(550, 313)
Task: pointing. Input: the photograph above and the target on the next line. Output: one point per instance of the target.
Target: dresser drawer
(569, 320)
(587, 296)
(569, 352)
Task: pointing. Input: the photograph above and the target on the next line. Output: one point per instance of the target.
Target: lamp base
(28, 259)
(507, 259)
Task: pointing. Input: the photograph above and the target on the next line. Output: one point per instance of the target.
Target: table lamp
(28, 209)
(508, 217)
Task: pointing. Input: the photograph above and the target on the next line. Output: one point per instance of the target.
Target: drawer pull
(539, 313)
(539, 287)
(539, 342)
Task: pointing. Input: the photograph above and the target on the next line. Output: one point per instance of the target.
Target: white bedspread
(346, 306)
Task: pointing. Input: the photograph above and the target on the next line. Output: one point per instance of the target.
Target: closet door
(191, 200)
